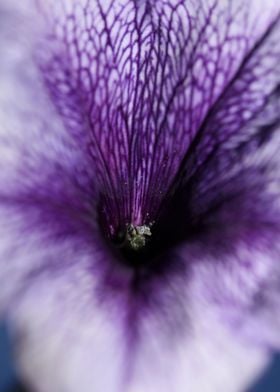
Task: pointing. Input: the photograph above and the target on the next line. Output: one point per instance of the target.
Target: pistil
(136, 237)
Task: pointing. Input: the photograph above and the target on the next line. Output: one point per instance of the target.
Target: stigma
(137, 236)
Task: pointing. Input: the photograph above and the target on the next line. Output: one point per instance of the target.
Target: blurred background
(269, 382)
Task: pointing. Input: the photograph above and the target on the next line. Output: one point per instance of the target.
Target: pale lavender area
(269, 382)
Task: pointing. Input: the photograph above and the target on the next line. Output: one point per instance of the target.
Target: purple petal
(135, 84)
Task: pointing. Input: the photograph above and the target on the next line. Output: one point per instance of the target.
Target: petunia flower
(139, 192)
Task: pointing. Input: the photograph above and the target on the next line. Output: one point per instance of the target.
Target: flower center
(146, 245)
(136, 237)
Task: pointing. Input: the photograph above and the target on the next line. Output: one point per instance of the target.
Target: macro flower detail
(139, 192)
